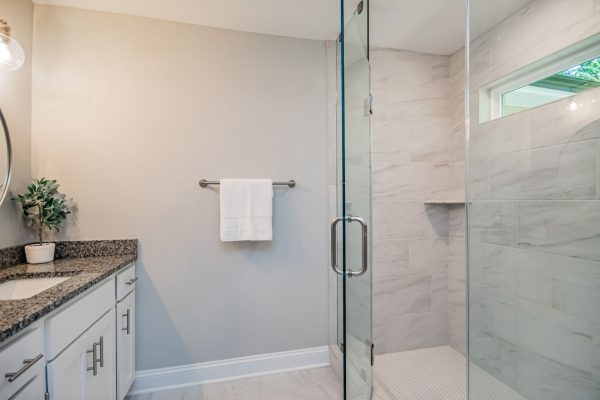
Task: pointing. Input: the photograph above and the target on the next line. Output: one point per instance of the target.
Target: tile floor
(428, 374)
(312, 384)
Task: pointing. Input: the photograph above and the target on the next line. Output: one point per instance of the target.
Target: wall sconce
(12, 55)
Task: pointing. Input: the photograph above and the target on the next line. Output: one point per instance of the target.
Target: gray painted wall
(129, 113)
(15, 101)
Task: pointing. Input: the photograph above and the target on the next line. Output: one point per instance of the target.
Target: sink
(18, 289)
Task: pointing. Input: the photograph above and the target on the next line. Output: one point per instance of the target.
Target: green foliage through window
(588, 71)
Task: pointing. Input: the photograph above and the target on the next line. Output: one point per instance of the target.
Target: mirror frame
(6, 183)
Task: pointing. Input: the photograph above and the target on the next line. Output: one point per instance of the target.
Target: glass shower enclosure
(351, 233)
(534, 202)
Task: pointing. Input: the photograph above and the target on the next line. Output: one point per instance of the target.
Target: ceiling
(429, 26)
(434, 26)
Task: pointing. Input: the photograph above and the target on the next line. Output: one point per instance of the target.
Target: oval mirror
(5, 158)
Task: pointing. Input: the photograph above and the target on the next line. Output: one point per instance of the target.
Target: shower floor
(437, 373)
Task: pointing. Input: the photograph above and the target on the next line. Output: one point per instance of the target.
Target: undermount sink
(18, 289)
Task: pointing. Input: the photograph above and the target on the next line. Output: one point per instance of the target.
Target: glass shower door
(354, 172)
(534, 203)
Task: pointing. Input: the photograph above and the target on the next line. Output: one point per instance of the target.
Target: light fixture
(12, 55)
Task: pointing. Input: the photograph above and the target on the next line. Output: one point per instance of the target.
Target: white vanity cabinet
(86, 369)
(125, 331)
(125, 344)
(22, 366)
(85, 350)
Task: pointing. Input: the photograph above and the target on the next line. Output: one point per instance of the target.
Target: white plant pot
(40, 253)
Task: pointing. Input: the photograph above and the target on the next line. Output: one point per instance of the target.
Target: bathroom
(337, 199)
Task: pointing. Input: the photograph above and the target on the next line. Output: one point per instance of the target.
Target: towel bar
(291, 183)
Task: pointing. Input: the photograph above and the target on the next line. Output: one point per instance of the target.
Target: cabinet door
(125, 344)
(71, 375)
(34, 390)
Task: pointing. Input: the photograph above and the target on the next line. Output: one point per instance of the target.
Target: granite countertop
(87, 263)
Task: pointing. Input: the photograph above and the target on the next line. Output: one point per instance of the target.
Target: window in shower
(572, 71)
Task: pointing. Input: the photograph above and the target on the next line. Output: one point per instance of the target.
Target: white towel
(246, 209)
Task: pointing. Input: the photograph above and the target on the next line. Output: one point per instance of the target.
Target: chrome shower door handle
(365, 246)
(334, 265)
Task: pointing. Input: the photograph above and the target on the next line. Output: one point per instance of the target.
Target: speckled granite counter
(87, 263)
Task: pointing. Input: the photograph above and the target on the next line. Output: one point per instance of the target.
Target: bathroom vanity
(74, 340)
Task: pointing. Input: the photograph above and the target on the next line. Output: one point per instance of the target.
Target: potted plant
(43, 207)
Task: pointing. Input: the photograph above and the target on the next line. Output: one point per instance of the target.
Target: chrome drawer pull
(94, 367)
(131, 281)
(13, 376)
(101, 345)
(128, 326)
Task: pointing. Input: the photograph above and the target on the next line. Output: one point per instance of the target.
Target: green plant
(44, 206)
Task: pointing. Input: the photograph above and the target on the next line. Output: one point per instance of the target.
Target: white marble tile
(390, 258)
(479, 314)
(538, 30)
(457, 294)
(457, 324)
(457, 222)
(596, 355)
(494, 222)
(598, 169)
(564, 124)
(539, 378)
(552, 334)
(428, 256)
(457, 267)
(401, 295)
(413, 181)
(570, 228)
(390, 142)
(522, 273)
(505, 135)
(576, 287)
(407, 76)
(411, 331)
(435, 142)
(439, 293)
(315, 384)
(562, 172)
(410, 220)
(479, 180)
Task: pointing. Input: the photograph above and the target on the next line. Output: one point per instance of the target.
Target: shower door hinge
(370, 351)
(47, 396)
(369, 105)
(360, 7)
(372, 354)
(342, 347)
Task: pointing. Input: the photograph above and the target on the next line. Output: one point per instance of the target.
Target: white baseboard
(235, 368)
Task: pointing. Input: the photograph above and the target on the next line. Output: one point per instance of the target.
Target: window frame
(491, 95)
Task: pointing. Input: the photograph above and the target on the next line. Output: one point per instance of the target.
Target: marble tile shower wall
(535, 218)
(457, 265)
(417, 157)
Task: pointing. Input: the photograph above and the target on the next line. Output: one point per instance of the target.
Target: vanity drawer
(125, 281)
(23, 358)
(63, 328)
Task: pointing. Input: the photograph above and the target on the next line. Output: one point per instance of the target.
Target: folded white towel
(246, 209)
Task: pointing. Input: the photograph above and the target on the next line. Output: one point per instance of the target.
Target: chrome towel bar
(291, 183)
